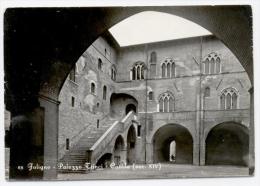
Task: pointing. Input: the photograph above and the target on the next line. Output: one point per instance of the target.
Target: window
(72, 75)
(104, 93)
(137, 71)
(98, 123)
(67, 144)
(150, 96)
(92, 88)
(212, 64)
(228, 99)
(99, 64)
(153, 57)
(138, 130)
(113, 73)
(166, 102)
(207, 92)
(72, 101)
(168, 68)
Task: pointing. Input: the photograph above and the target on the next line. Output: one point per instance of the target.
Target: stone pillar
(202, 151)
(27, 144)
(149, 153)
(196, 136)
(20, 147)
(51, 114)
(251, 134)
(123, 156)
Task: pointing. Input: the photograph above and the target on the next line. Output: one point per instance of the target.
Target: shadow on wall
(121, 104)
(227, 144)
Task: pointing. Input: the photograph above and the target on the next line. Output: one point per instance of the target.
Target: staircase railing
(103, 142)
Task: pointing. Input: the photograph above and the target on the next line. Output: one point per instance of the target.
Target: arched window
(153, 57)
(99, 64)
(217, 65)
(168, 68)
(104, 92)
(166, 102)
(161, 104)
(228, 99)
(212, 64)
(138, 71)
(92, 88)
(222, 102)
(113, 73)
(207, 66)
(150, 96)
(163, 70)
(207, 92)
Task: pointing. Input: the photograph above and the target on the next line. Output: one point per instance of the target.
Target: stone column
(251, 134)
(196, 137)
(51, 114)
(149, 153)
(123, 154)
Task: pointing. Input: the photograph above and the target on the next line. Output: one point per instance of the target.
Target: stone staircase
(77, 155)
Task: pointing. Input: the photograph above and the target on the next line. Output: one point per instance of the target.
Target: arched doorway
(173, 136)
(227, 144)
(172, 154)
(105, 160)
(118, 150)
(131, 142)
(130, 107)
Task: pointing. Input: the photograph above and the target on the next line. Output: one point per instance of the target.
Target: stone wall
(187, 88)
(88, 107)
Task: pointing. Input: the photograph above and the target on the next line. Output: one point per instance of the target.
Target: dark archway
(162, 139)
(118, 150)
(227, 144)
(44, 63)
(105, 160)
(121, 104)
(131, 142)
(130, 107)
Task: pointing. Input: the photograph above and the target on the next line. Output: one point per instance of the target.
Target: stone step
(76, 156)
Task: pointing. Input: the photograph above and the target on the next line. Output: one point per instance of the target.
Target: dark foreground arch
(105, 160)
(227, 144)
(184, 144)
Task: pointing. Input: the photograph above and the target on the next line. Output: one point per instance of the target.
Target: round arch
(105, 160)
(118, 152)
(130, 107)
(50, 77)
(163, 138)
(131, 143)
(227, 144)
(122, 103)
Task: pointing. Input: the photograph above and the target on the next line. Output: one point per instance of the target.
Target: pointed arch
(166, 102)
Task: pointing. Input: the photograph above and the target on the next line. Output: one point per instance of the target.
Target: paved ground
(160, 171)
